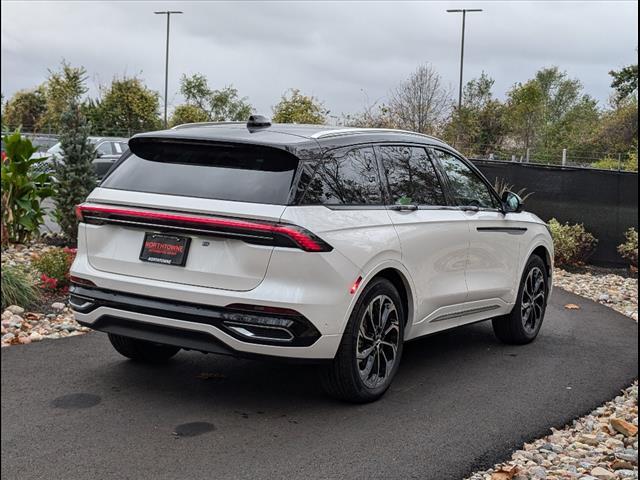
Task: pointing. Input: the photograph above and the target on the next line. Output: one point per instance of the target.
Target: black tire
(518, 327)
(342, 379)
(142, 351)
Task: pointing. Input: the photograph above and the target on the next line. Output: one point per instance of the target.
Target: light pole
(166, 64)
(464, 17)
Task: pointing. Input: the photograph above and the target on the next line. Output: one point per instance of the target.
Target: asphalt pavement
(74, 409)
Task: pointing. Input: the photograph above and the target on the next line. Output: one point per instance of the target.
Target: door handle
(404, 208)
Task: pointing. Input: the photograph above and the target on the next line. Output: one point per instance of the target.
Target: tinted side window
(466, 186)
(345, 177)
(104, 148)
(411, 175)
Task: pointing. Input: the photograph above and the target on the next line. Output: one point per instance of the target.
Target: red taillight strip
(299, 236)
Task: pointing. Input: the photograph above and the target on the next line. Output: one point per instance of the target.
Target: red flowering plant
(53, 267)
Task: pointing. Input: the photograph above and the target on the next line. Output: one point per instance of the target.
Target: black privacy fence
(606, 202)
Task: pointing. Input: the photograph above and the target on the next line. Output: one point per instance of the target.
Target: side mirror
(511, 203)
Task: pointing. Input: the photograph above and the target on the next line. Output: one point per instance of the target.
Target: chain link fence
(605, 160)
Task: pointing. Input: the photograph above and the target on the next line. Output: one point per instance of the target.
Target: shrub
(501, 186)
(628, 164)
(573, 244)
(18, 288)
(23, 189)
(629, 249)
(53, 267)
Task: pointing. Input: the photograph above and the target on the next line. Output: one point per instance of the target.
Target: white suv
(303, 242)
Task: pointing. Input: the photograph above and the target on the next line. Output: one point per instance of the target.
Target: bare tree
(421, 103)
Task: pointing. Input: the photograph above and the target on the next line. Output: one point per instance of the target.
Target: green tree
(617, 129)
(478, 127)
(625, 82)
(188, 114)
(25, 109)
(525, 107)
(62, 87)
(550, 112)
(294, 107)
(207, 105)
(573, 130)
(74, 174)
(126, 107)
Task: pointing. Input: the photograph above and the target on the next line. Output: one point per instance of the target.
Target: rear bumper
(198, 327)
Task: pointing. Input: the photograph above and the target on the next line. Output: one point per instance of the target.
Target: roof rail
(352, 130)
(204, 124)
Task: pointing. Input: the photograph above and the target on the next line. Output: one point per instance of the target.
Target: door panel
(494, 239)
(433, 237)
(434, 245)
(492, 267)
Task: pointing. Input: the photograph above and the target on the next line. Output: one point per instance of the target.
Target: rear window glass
(236, 173)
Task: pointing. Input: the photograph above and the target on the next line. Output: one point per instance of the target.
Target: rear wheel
(522, 325)
(141, 350)
(371, 347)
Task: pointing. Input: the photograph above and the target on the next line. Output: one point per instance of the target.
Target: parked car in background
(315, 243)
(42, 141)
(108, 150)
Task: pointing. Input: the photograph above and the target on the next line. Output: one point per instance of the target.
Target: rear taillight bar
(277, 234)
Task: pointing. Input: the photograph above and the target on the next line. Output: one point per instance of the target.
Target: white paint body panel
(454, 274)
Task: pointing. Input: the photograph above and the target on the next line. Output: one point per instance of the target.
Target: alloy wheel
(378, 341)
(533, 300)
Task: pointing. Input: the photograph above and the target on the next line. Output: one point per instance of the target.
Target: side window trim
(436, 165)
(474, 170)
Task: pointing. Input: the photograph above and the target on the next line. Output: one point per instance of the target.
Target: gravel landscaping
(613, 290)
(52, 319)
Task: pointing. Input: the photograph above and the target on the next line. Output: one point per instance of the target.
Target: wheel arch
(543, 251)
(400, 279)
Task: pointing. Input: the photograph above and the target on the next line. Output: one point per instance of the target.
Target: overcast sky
(346, 54)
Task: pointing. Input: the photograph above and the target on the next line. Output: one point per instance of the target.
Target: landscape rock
(15, 309)
(625, 428)
(35, 337)
(58, 306)
(602, 473)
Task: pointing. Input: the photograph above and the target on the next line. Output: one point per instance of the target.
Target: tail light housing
(251, 231)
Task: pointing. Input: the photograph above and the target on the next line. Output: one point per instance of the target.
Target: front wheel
(522, 325)
(371, 347)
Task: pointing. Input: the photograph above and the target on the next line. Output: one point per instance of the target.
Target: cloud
(341, 52)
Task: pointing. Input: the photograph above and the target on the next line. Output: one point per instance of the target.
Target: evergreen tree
(75, 176)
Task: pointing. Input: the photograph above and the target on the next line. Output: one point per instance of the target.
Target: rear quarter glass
(242, 173)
